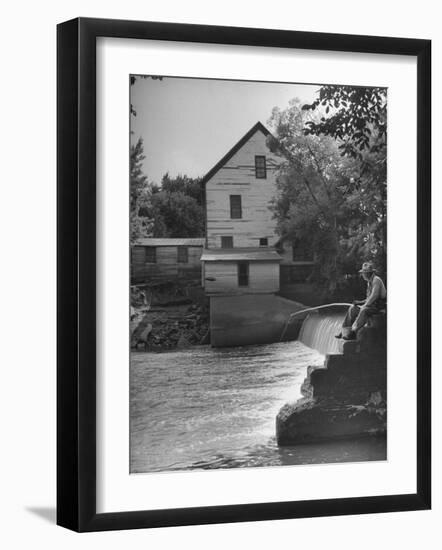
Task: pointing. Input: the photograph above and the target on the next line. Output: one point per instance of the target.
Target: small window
(183, 254)
(150, 254)
(301, 253)
(235, 207)
(243, 273)
(264, 241)
(260, 167)
(226, 242)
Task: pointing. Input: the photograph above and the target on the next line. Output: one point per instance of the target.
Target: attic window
(264, 241)
(260, 167)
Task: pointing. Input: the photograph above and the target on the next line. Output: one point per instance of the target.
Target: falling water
(204, 408)
(318, 331)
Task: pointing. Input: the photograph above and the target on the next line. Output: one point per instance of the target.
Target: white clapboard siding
(237, 177)
(225, 275)
(263, 277)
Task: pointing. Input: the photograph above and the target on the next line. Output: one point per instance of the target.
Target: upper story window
(150, 254)
(264, 241)
(183, 254)
(226, 242)
(260, 167)
(235, 207)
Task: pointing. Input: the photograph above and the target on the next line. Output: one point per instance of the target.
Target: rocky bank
(345, 398)
(168, 317)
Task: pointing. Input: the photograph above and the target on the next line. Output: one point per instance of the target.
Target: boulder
(344, 398)
(310, 421)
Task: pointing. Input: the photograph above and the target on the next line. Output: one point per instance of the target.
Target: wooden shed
(240, 271)
(162, 259)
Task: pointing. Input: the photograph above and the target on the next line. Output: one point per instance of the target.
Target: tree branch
(319, 171)
(315, 200)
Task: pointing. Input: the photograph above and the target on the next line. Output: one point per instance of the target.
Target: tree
(173, 209)
(177, 208)
(140, 221)
(138, 180)
(358, 118)
(326, 199)
(311, 186)
(358, 122)
(191, 187)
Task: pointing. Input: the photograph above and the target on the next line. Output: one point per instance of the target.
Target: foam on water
(205, 408)
(192, 405)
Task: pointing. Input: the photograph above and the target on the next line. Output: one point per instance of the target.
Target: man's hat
(367, 267)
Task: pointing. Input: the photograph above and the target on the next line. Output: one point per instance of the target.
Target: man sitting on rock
(358, 313)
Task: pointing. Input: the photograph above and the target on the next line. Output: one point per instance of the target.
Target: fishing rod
(290, 317)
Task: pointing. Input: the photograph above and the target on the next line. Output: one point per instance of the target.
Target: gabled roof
(258, 126)
(238, 254)
(154, 241)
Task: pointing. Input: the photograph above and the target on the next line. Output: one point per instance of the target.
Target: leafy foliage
(332, 201)
(191, 187)
(358, 122)
(355, 112)
(176, 215)
(138, 181)
(140, 221)
(177, 208)
(174, 209)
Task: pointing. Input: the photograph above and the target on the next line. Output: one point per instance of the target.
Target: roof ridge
(258, 126)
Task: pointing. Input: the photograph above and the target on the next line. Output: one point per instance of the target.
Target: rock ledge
(346, 398)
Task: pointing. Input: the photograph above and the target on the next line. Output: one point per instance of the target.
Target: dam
(218, 405)
(346, 396)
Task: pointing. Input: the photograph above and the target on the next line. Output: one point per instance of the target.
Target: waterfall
(318, 331)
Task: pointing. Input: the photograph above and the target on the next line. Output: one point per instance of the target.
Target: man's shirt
(375, 290)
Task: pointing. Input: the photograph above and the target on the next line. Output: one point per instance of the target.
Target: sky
(189, 124)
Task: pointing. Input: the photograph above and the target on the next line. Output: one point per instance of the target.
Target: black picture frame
(76, 274)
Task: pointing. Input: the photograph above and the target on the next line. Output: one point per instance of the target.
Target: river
(204, 408)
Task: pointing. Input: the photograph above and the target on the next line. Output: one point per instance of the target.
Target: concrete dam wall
(251, 319)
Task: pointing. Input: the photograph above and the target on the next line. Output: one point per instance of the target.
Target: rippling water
(216, 408)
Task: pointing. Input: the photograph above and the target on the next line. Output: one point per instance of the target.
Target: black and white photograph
(258, 254)
(221, 223)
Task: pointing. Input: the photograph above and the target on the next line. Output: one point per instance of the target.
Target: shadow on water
(333, 452)
(328, 452)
